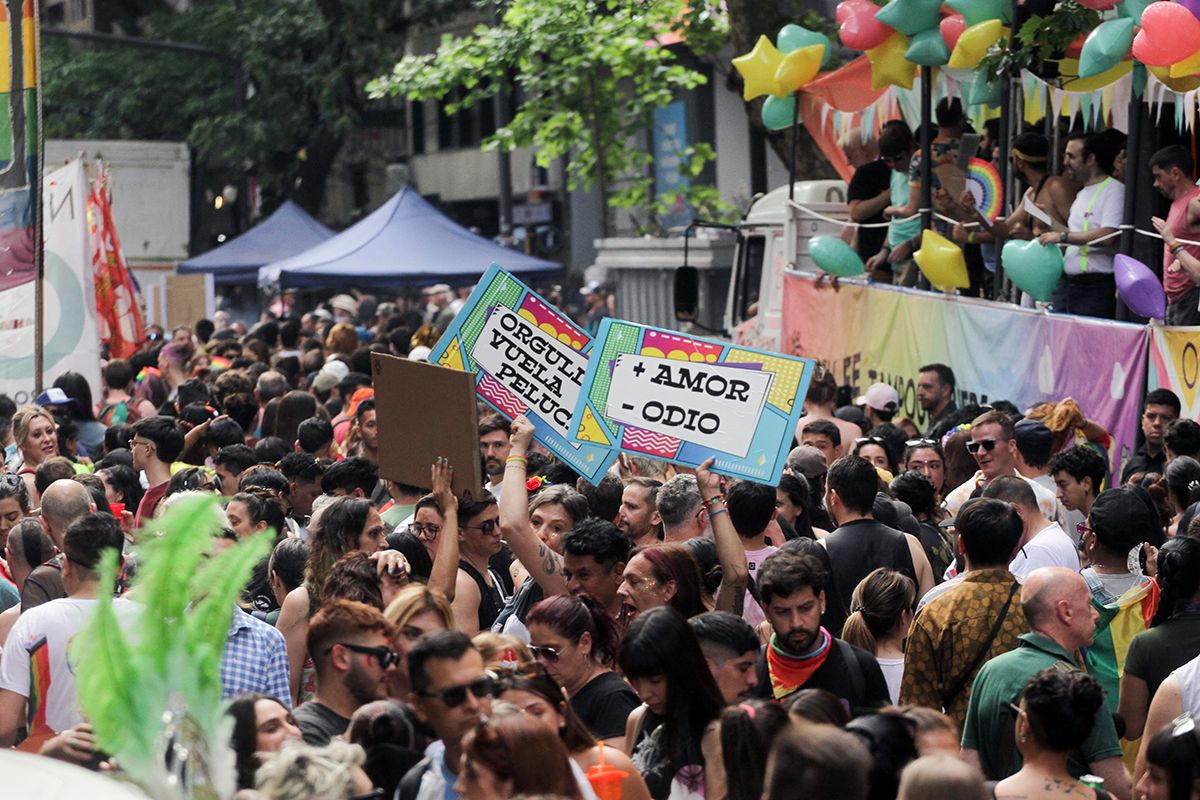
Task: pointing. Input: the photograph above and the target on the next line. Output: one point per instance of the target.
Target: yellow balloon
(1070, 67)
(889, 67)
(974, 42)
(1189, 66)
(758, 69)
(799, 67)
(942, 262)
(1180, 85)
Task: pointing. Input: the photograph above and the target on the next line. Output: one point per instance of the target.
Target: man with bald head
(63, 502)
(1058, 607)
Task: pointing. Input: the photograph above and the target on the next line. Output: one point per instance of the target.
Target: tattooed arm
(542, 563)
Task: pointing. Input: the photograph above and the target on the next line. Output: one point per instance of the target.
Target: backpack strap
(853, 669)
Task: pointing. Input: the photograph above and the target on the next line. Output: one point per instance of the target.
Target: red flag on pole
(118, 301)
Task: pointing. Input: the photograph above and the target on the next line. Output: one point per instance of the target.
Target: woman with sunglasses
(36, 435)
(925, 456)
(660, 657)
(576, 641)
(1172, 763)
(515, 754)
(261, 724)
(536, 692)
(1054, 716)
(415, 611)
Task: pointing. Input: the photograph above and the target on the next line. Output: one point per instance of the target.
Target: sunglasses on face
(485, 527)
(921, 443)
(386, 656)
(547, 654)
(986, 444)
(455, 696)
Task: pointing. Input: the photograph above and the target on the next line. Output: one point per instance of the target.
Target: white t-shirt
(35, 666)
(1189, 686)
(1101, 205)
(751, 611)
(893, 673)
(1049, 547)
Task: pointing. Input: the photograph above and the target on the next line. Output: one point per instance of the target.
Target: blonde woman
(36, 435)
(415, 611)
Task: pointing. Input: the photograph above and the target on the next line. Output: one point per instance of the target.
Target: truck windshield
(749, 277)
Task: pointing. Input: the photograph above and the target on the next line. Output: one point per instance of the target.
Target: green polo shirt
(990, 721)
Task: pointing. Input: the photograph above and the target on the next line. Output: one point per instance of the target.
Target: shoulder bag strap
(952, 694)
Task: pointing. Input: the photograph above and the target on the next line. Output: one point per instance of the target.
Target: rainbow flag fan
(983, 182)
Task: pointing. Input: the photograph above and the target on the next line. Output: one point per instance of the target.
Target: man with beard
(351, 647)
(801, 653)
(494, 433)
(638, 518)
(1172, 170)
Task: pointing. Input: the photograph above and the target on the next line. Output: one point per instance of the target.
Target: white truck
(772, 238)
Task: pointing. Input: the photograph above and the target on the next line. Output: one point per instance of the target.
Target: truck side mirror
(687, 293)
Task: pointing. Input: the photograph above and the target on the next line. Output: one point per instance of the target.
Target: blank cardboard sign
(425, 412)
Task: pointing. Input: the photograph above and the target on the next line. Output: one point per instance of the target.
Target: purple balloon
(1139, 287)
(1192, 6)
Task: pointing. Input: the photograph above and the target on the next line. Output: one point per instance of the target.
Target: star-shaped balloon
(910, 17)
(799, 67)
(758, 68)
(889, 67)
(977, 11)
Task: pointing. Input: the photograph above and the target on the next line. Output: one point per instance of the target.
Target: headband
(1029, 158)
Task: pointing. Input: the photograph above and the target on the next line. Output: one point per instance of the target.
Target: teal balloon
(1105, 46)
(928, 49)
(977, 11)
(910, 17)
(1032, 266)
(779, 113)
(984, 92)
(793, 37)
(1132, 9)
(835, 256)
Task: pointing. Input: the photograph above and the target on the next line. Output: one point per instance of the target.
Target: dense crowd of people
(1081, 209)
(979, 608)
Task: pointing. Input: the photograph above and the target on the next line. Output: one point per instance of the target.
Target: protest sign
(426, 412)
(664, 394)
(527, 358)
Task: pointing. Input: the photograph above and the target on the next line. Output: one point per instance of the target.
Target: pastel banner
(870, 334)
(1175, 365)
(663, 394)
(527, 359)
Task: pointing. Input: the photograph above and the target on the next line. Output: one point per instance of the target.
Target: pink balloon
(1099, 5)
(1139, 287)
(952, 27)
(859, 28)
(1169, 34)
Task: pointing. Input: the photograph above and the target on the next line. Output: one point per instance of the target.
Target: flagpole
(35, 193)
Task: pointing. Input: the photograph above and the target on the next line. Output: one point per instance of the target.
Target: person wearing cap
(1062, 622)
(345, 309)
(993, 445)
(1044, 543)
(961, 625)
(1035, 442)
(809, 463)
(1120, 521)
(438, 311)
(819, 404)
(597, 306)
(879, 404)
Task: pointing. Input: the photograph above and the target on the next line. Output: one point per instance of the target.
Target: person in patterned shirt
(978, 618)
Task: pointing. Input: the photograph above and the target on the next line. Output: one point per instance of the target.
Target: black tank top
(855, 550)
(491, 603)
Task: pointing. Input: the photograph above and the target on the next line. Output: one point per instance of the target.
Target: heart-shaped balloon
(942, 262)
(779, 113)
(835, 256)
(793, 37)
(1169, 34)
(1139, 287)
(1032, 266)
(951, 28)
(1105, 46)
(858, 28)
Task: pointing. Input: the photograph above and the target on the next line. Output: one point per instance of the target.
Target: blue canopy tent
(290, 230)
(403, 242)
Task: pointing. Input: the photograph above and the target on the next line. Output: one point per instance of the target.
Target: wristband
(516, 460)
(971, 237)
(1063, 238)
(1175, 248)
(714, 499)
(712, 514)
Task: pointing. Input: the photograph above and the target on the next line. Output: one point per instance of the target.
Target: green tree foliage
(304, 63)
(587, 75)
